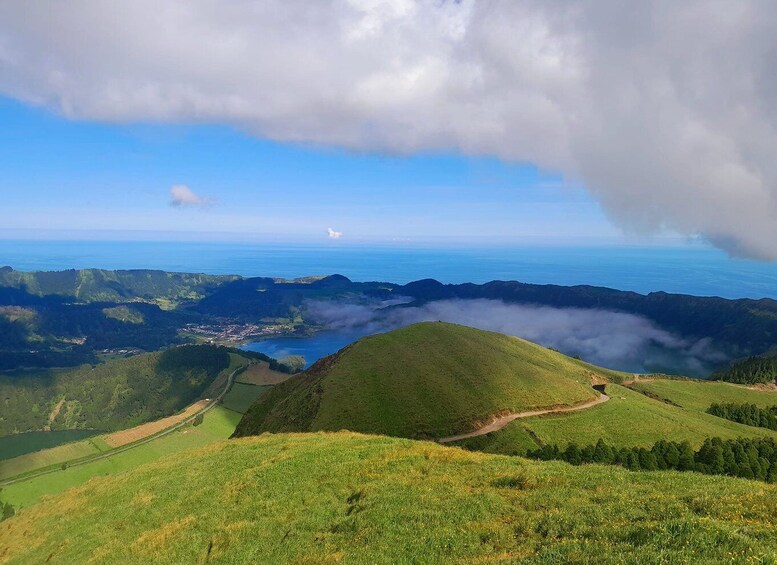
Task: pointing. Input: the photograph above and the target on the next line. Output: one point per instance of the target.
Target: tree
(686, 460)
(572, 454)
(603, 453)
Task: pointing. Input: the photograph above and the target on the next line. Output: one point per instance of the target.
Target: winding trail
(105, 455)
(502, 421)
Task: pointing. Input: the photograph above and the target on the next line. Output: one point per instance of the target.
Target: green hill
(110, 396)
(324, 498)
(99, 285)
(427, 380)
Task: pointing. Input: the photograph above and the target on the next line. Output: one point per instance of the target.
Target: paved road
(500, 423)
(111, 453)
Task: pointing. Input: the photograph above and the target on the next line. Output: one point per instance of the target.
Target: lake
(311, 348)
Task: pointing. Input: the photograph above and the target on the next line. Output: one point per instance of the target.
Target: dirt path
(500, 423)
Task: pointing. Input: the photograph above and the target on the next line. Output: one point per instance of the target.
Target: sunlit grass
(320, 498)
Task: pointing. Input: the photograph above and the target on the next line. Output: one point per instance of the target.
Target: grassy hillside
(115, 395)
(355, 499)
(98, 285)
(628, 419)
(699, 395)
(428, 380)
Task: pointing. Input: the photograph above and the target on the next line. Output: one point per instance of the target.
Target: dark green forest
(748, 414)
(753, 370)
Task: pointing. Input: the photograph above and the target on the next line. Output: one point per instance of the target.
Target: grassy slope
(698, 395)
(348, 498)
(218, 424)
(628, 419)
(426, 380)
(111, 396)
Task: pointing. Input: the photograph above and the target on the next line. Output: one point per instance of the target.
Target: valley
(452, 415)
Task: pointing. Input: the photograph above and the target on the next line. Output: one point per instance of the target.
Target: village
(233, 332)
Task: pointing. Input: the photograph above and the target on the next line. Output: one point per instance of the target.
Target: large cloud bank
(666, 111)
(611, 339)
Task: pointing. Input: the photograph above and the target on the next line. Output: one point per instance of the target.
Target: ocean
(689, 270)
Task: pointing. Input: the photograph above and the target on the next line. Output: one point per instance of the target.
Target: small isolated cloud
(183, 196)
(334, 234)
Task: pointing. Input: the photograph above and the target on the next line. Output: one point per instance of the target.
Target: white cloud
(334, 234)
(665, 111)
(181, 195)
(610, 339)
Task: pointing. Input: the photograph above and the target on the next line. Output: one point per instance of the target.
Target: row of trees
(747, 458)
(748, 414)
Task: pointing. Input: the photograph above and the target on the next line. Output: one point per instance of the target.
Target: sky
(493, 121)
(85, 179)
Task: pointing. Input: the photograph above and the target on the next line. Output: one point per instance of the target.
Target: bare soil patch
(54, 414)
(766, 387)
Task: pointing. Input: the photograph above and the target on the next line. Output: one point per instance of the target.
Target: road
(501, 422)
(113, 452)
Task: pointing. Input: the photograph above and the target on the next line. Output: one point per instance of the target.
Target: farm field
(241, 396)
(259, 373)
(52, 456)
(123, 437)
(218, 423)
(346, 497)
(20, 444)
(628, 419)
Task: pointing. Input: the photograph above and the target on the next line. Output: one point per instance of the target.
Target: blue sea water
(689, 270)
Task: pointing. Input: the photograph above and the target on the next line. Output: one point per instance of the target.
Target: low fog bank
(611, 339)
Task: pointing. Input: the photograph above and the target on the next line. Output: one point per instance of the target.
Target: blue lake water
(311, 348)
(689, 270)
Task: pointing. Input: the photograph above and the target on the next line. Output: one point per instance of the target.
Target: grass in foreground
(320, 498)
(629, 419)
(218, 424)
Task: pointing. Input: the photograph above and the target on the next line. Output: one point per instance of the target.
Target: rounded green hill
(428, 380)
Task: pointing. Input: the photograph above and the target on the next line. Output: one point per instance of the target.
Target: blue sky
(386, 121)
(77, 179)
